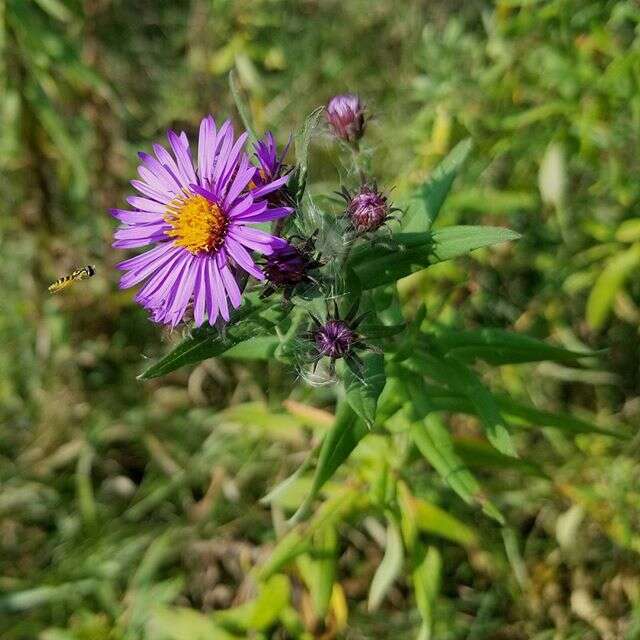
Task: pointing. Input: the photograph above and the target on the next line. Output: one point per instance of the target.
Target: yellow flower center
(197, 224)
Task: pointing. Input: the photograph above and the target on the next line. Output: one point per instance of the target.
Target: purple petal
(206, 144)
(140, 231)
(170, 165)
(135, 217)
(152, 294)
(144, 204)
(220, 161)
(256, 239)
(134, 276)
(246, 207)
(242, 257)
(241, 180)
(265, 216)
(183, 293)
(232, 160)
(180, 146)
(161, 173)
(229, 281)
(205, 193)
(268, 188)
(199, 291)
(133, 263)
(213, 307)
(151, 192)
(219, 291)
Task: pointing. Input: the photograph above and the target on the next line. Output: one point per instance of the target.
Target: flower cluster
(196, 212)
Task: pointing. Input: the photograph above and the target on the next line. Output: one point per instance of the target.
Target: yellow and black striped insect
(79, 274)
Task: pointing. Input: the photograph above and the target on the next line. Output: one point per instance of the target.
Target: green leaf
(336, 447)
(261, 613)
(303, 136)
(468, 383)
(426, 586)
(209, 342)
(363, 387)
(181, 623)
(318, 569)
(609, 282)
(298, 540)
(434, 192)
(405, 253)
(432, 519)
(497, 347)
(377, 331)
(455, 241)
(257, 348)
(56, 9)
(201, 345)
(435, 443)
(389, 568)
(519, 413)
(478, 454)
(465, 382)
(629, 230)
(242, 108)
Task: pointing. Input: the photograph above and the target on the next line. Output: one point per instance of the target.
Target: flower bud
(346, 117)
(334, 339)
(286, 266)
(368, 209)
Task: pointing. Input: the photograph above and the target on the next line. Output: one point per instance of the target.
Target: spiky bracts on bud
(346, 115)
(337, 338)
(334, 339)
(368, 208)
(286, 269)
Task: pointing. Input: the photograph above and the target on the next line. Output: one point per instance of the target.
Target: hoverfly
(79, 274)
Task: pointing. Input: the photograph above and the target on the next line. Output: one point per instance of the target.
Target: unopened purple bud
(346, 117)
(334, 339)
(368, 209)
(286, 266)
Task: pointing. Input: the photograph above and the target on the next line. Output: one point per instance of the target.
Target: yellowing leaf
(609, 282)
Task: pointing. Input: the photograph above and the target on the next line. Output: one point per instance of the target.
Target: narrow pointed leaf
(426, 586)
(298, 539)
(497, 346)
(432, 194)
(363, 387)
(436, 445)
(241, 106)
(406, 253)
(209, 342)
(336, 447)
(389, 568)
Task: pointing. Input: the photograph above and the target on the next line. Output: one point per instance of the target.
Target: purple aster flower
(198, 217)
(271, 166)
(346, 117)
(368, 209)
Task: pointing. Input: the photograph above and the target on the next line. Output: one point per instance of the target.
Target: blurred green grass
(122, 501)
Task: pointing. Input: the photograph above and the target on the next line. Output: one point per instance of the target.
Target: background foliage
(129, 509)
